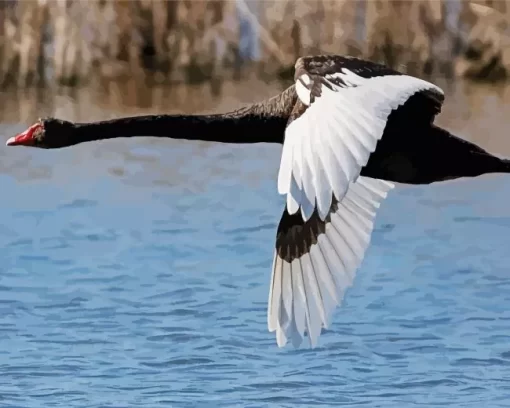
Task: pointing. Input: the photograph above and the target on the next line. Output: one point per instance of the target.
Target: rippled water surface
(136, 273)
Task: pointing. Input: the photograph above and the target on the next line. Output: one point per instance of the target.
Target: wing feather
(317, 260)
(347, 104)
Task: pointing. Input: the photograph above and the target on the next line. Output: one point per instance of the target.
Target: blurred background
(131, 50)
(135, 272)
(73, 42)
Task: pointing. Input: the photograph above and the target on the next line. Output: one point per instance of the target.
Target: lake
(135, 273)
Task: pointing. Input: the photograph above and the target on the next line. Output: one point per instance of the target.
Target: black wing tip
(303, 63)
(323, 64)
(326, 57)
(295, 237)
(436, 95)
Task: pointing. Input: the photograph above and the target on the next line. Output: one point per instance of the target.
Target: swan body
(350, 130)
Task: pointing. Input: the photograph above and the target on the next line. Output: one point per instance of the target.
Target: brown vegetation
(72, 41)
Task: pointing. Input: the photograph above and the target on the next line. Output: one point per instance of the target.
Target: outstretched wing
(341, 114)
(315, 261)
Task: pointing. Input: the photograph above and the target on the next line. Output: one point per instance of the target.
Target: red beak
(26, 138)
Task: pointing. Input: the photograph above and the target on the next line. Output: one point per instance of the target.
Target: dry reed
(71, 42)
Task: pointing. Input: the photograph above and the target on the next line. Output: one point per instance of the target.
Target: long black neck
(264, 122)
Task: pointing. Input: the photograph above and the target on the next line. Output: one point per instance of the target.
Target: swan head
(45, 134)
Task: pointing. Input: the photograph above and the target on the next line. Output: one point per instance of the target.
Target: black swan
(350, 129)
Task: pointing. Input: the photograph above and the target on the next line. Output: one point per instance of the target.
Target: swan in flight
(350, 129)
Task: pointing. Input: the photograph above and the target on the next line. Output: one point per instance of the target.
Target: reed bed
(71, 42)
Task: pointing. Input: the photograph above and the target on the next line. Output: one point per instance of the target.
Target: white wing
(326, 147)
(315, 262)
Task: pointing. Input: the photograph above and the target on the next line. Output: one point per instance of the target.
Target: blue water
(136, 274)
